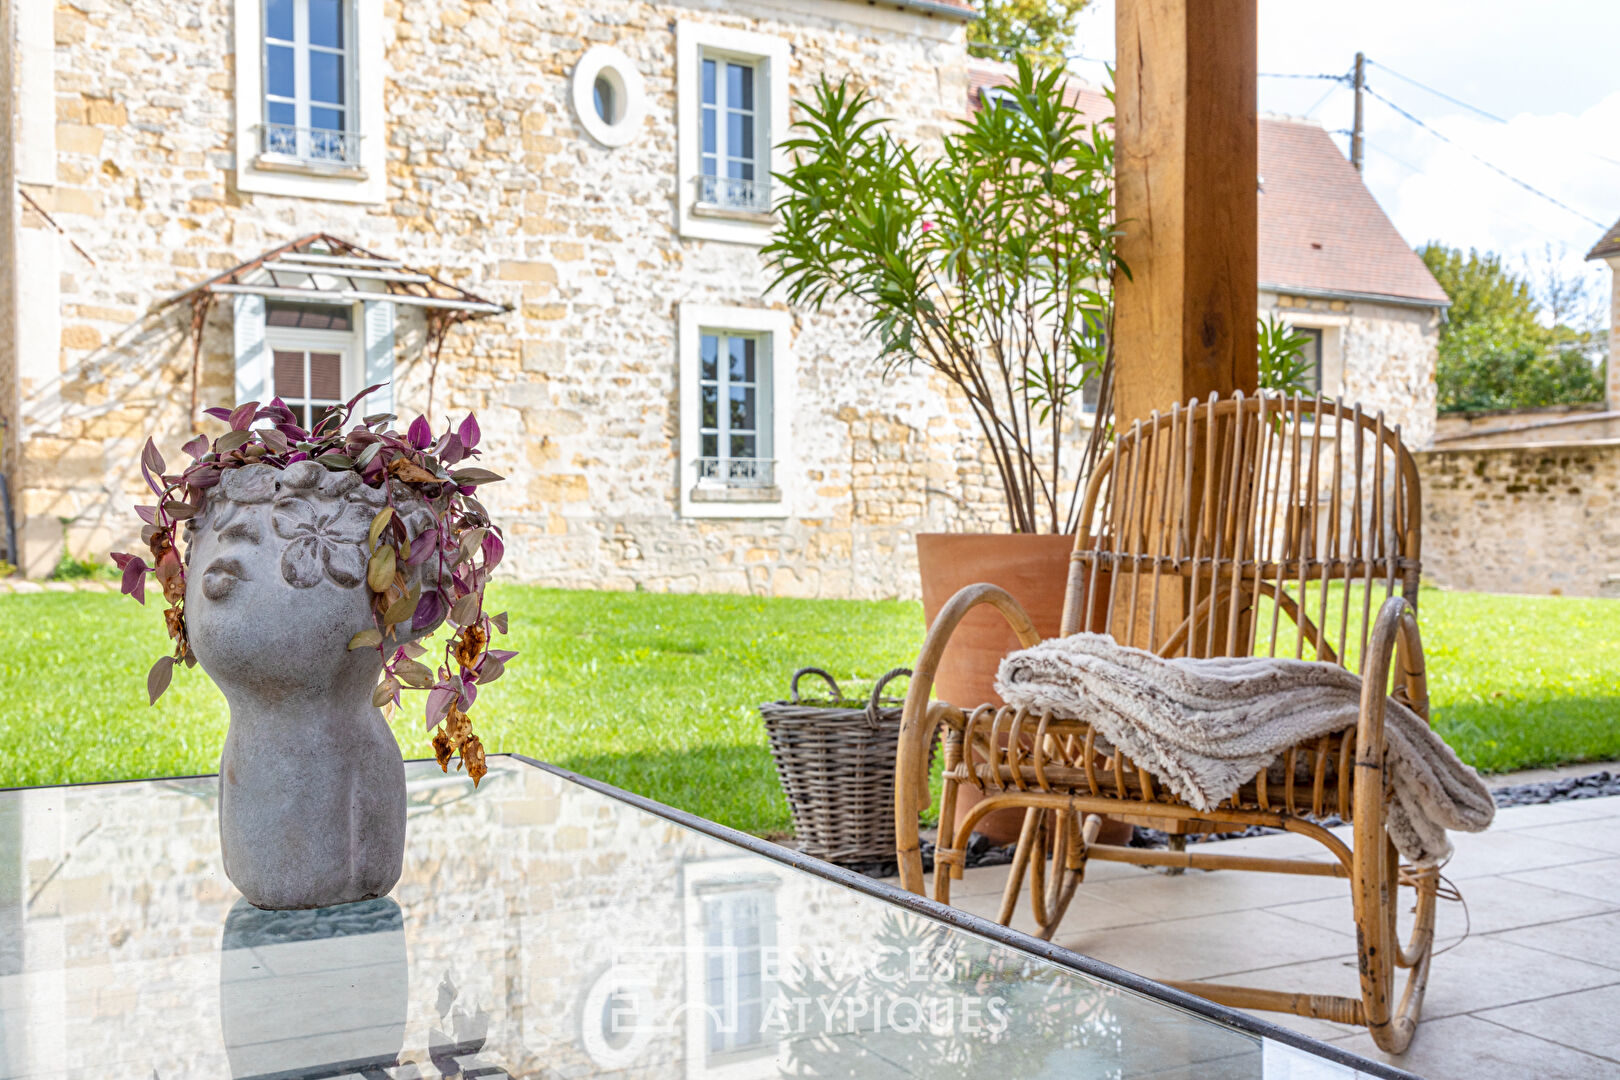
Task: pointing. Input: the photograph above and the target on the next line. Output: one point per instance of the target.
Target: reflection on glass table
(546, 927)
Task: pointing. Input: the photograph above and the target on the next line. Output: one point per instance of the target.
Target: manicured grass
(658, 693)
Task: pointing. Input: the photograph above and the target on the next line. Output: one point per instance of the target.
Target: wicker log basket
(835, 758)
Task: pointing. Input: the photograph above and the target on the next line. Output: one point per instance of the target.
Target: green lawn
(657, 693)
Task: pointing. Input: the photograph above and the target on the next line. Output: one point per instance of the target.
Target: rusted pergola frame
(445, 304)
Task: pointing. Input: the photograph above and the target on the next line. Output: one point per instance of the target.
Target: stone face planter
(312, 786)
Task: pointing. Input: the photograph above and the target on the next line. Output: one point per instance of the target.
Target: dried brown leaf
(457, 726)
(472, 755)
(442, 750)
(411, 473)
(469, 645)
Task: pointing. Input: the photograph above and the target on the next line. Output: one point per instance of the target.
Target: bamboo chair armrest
(1394, 636)
(918, 720)
(921, 717)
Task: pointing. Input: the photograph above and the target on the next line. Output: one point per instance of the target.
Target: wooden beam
(1187, 180)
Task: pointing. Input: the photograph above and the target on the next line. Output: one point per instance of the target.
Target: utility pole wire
(1439, 94)
(1473, 108)
(1494, 168)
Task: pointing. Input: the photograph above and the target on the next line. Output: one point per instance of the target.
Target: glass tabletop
(546, 926)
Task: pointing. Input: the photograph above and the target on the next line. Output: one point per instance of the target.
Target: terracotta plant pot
(1034, 568)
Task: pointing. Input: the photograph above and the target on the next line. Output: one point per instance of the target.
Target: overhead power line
(1494, 168)
(1438, 93)
(1300, 75)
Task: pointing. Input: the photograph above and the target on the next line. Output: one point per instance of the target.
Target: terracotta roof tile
(1608, 246)
(950, 8)
(1320, 228)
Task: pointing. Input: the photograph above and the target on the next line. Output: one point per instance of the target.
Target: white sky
(1551, 69)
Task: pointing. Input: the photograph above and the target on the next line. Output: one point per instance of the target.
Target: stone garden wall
(1523, 519)
(493, 185)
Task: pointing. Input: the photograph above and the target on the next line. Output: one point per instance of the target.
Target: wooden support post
(1187, 175)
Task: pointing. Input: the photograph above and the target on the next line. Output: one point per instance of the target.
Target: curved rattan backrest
(1248, 525)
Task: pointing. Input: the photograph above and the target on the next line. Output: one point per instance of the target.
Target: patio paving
(1531, 991)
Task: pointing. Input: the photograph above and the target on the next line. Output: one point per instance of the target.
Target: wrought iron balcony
(730, 193)
(317, 146)
(737, 472)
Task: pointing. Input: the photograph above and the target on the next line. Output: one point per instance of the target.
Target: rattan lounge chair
(1260, 525)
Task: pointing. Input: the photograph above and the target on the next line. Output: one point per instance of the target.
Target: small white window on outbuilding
(736, 379)
(732, 109)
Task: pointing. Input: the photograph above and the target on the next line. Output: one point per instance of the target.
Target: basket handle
(877, 693)
(797, 675)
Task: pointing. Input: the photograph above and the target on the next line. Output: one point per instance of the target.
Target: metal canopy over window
(321, 270)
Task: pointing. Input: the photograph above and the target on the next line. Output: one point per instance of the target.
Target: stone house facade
(586, 181)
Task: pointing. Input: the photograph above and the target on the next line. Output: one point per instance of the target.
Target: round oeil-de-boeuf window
(607, 95)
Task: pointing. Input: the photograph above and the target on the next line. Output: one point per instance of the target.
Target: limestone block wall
(491, 184)
(1523, 519)
(1381, 355)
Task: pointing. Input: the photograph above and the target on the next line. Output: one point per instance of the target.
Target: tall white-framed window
(736, 379)
(308, 82)
(731, 173)
(732, 109)
(309, 99)
(735, 404)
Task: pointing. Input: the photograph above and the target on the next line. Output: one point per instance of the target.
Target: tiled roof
(1321, 231)
(957, 9)
(1609, 245)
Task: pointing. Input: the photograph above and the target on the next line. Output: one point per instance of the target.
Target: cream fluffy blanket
(1206, 727)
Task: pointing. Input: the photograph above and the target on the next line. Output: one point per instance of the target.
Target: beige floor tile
(1523, 817)
(1595, 939)
(1272, 845)
(1584, 1020)
(1494, 904)
(1209, 892)
(1597, 834)
(1197, 948)
(1484, 972)
(1510, 851)
(1468, 1048)
(1599, 879)
(1086, 912)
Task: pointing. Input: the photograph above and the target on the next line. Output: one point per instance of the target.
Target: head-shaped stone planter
(312, 786)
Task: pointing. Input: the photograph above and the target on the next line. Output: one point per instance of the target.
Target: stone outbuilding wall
(1523, 519)
(1382, 355)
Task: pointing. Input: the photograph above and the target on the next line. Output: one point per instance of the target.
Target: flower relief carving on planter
(314, 563)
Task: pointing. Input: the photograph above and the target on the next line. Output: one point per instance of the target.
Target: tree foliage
(990, 262)
(1033, 28)
(1514, 340)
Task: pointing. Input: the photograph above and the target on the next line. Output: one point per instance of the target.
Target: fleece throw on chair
(1205, 727)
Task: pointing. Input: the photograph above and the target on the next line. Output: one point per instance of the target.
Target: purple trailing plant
(462, 538)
